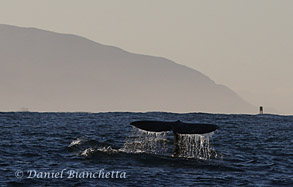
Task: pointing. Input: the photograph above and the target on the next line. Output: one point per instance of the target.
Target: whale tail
(177, 127)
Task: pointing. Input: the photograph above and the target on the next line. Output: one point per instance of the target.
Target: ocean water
(102, 149)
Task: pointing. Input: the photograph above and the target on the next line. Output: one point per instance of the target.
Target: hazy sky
(246, 45)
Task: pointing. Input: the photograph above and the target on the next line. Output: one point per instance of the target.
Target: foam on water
(76, 142)
(89, 152)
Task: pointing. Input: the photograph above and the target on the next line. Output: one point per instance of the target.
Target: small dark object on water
(261, 110)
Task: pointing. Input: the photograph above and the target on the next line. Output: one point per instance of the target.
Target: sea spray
(195, 146)
(144, 141)
(190, 145)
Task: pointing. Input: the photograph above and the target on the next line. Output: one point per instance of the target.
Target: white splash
(190, 145)
(196, 146)
(88, 152)
(144, 141)
(76, 142)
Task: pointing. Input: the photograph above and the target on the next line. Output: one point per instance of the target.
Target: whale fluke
(177, 127)
(153, 126)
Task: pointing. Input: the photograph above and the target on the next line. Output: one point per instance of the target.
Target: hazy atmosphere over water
(245, 45)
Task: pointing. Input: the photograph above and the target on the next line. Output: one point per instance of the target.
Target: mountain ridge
(82, 75)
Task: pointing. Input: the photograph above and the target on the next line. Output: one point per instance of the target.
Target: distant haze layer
(47, 71)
